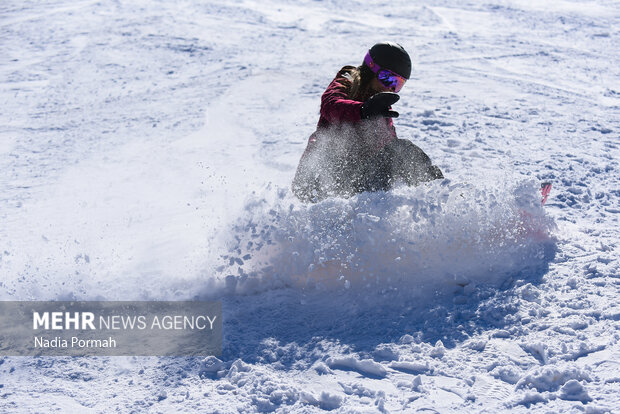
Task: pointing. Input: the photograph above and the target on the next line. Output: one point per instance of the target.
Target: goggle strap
(371, 64)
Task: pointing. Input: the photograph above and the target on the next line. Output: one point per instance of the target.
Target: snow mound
(365, 367)
(439, 237)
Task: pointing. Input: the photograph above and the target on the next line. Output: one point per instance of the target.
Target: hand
(379, 105)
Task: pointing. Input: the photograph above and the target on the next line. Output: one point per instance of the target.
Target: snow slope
(147, 150)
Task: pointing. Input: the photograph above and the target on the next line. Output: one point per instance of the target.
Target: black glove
(379, 105)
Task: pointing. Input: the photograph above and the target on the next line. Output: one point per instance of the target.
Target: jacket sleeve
(336, 106)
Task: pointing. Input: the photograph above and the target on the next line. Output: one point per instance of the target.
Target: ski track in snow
(145, 144)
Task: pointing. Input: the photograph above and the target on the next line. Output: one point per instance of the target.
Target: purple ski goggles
(389, 79)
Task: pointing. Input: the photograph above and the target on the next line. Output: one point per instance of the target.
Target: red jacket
(337, 108)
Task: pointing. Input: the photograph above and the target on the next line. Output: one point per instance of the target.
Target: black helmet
(391, 56)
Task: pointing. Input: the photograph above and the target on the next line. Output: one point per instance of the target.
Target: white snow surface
(147, 150)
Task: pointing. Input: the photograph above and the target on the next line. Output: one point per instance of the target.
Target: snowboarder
(355, 147)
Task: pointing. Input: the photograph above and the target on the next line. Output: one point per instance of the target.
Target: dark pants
(336, 174)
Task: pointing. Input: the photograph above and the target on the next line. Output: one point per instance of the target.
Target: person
(355, 147)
